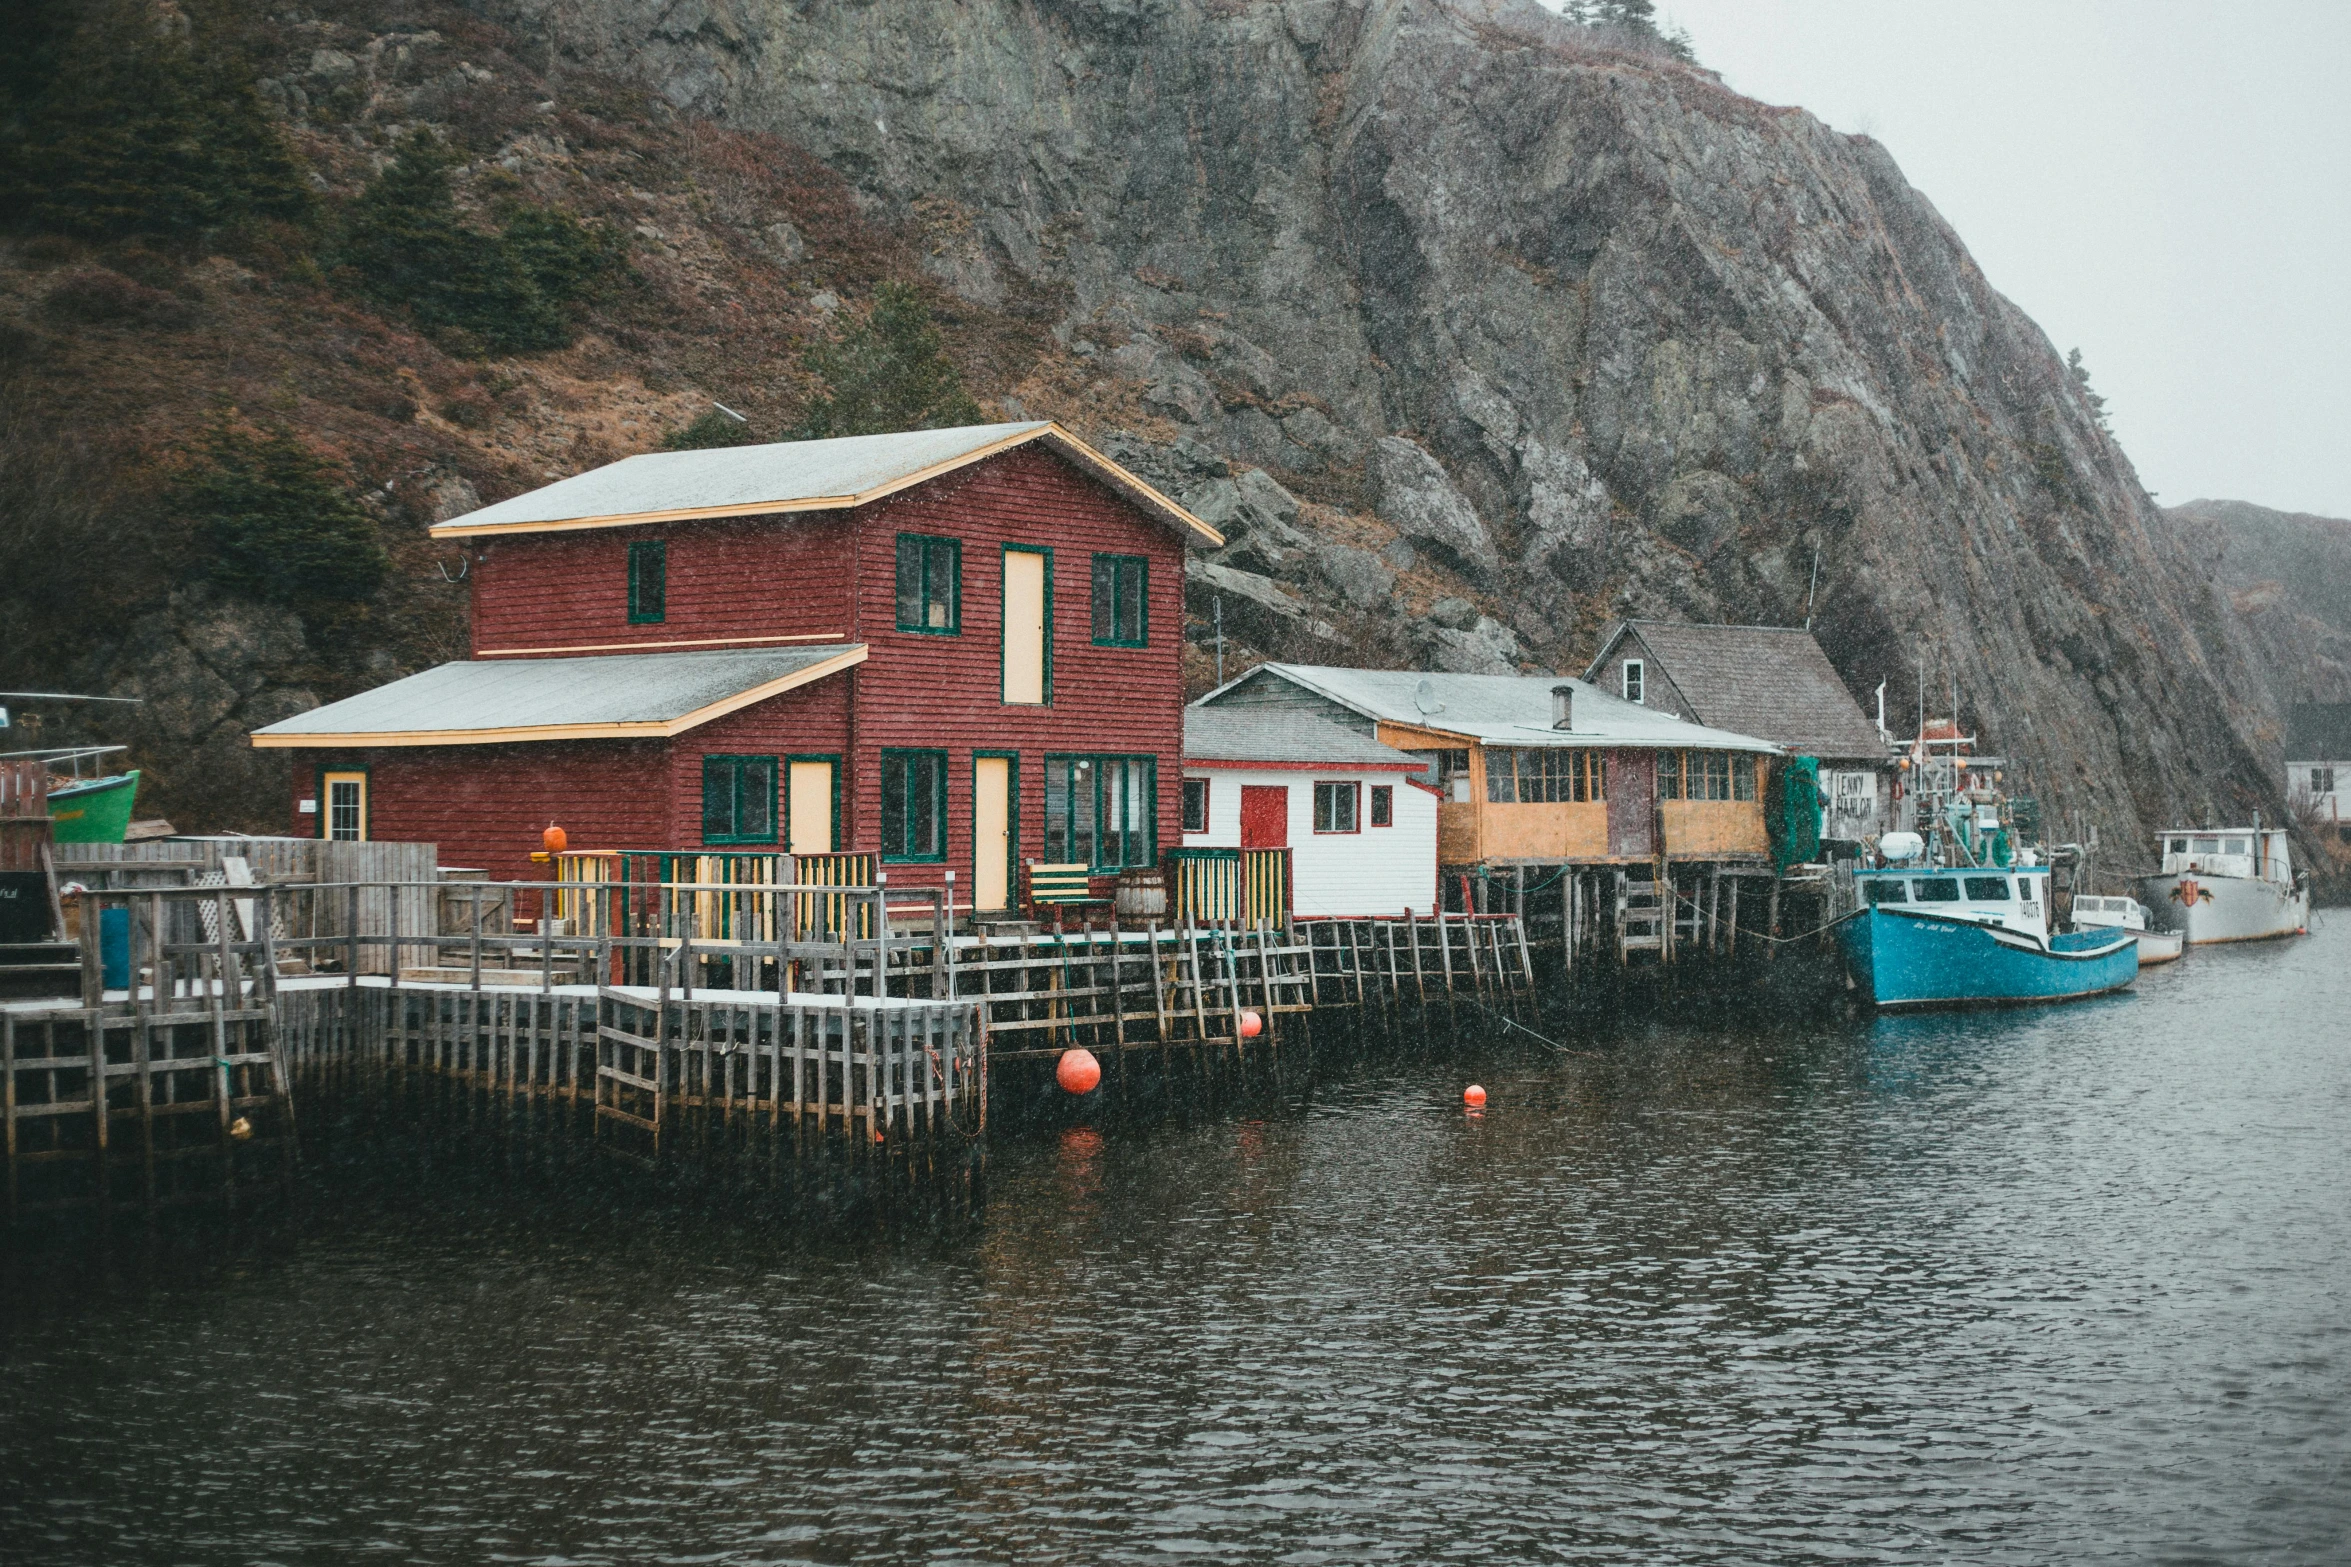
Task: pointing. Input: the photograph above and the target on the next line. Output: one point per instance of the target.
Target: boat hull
(1906, 962)
(94, 812)
(2159, 946)
(2226, 908)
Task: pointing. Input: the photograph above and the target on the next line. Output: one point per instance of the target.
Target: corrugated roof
(1502, 709)
(1240, 734)
(785, 476)
(1773, 680)
(624, 696)
(2319, 732)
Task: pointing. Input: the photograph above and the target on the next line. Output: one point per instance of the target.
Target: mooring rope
(1543, 1039)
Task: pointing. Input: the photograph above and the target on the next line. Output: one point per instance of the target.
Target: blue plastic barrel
(114, 948)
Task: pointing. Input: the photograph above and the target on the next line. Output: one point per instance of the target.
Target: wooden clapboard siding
(486, 805)
(1713, 829)
(743, 577)
(1377, 870)
(945, 692)
(812, 720)
(1571, 830)
(799, 575)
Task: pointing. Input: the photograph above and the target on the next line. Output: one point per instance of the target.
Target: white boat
(2229, 884)
(2155, 946)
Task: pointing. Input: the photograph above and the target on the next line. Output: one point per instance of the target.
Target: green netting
(1794, 818)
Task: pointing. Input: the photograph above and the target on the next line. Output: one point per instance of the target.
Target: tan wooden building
(1543, 770)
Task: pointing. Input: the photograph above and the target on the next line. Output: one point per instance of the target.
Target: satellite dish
(1424, 697)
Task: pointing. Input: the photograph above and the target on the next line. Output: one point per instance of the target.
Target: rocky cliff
(2287, 577)
(1580, 329)
(1473, 329)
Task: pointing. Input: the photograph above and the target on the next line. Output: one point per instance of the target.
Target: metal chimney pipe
(1563, 707)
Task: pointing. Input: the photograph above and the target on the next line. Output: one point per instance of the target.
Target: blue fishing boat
(1969, 936)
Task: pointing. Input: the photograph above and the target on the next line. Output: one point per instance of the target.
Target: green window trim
(832, 827)
(914, 807)
(930, 585)
(1103, 810)
(648, 582)
(739, 797)
(1045, 550)
(1122, 601)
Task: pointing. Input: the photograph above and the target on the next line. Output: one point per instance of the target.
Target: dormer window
(1633, 679)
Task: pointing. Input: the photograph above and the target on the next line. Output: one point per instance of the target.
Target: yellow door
(1024, 627)
(810, 830)
(991, 832)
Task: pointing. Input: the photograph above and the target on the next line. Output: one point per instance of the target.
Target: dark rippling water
(2069, 1285)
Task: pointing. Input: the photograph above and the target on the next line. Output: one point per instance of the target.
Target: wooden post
(1771, 950)
(351, 940)
(1732, 939)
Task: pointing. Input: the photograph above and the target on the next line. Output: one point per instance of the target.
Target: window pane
(922, 811)
(1941, 889)
(893, 805)
(1383, 805)
(1084, 780)
(1134, 601)
(1501, 777)
(1105, 598)
(909, 581)
(718, 798)
(1322, 807)
(1343, 807)
(1669, 775)
(1987, 889)
(942, 584)
(1743, 777)
(1057, 772)
(1195, 805)
(1887, 892)
(755, 809)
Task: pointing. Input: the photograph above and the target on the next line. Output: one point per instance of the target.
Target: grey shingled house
(1772, 682)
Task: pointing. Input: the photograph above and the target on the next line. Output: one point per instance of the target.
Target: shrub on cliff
(274, 522)
(125, 118)
(403, 245)
(713, 428)
(886, 373)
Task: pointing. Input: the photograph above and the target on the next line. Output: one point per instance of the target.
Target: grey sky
(2166, 186)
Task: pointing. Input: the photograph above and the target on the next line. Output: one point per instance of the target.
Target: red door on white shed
(1265, 816)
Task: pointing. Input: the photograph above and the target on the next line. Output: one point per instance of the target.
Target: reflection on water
(2066, 1285)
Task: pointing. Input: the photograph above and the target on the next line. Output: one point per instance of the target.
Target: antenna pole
(1220, 639)
(1808, 592)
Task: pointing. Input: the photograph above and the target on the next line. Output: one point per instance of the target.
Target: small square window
(1383, 805)
(738, 799)
(930, 584)
(1122, 601)
(1195, 805)
(1334, 807)
(648, 582)
(914, 805)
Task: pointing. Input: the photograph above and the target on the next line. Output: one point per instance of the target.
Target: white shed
(1362, 835)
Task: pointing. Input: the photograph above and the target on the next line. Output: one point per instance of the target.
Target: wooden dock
(832, 1018)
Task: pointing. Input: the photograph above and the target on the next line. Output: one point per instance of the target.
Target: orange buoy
(1474, 1097)
(1251, 1025)
(1078, 1071)
(555, 838)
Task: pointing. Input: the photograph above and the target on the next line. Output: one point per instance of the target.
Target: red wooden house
(958, 648)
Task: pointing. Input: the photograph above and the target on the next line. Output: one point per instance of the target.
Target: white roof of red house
(619, 697)
(788, 476)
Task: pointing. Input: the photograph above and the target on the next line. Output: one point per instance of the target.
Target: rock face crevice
(1588, 329)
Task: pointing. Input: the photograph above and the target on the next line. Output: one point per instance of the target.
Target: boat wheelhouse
(2228, 884)
(1932, 936)
(2155, 946)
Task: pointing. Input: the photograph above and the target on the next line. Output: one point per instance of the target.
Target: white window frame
(1636, 681)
